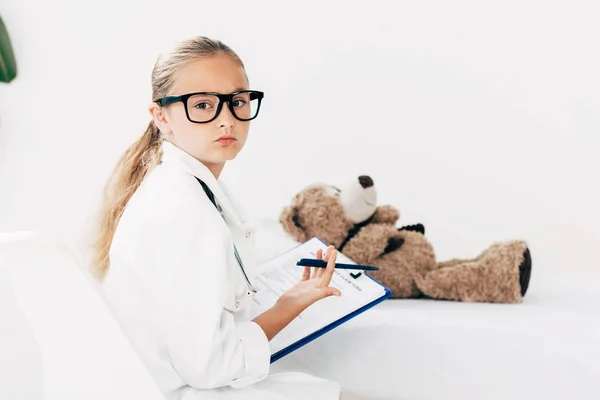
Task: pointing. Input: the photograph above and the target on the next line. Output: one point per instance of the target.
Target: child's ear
(160, 118)
(289, 220)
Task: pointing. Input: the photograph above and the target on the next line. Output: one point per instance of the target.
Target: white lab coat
(177, 290)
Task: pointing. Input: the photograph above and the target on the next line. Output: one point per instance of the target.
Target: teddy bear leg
(453, 262)
(394, 274)
(456, 261)
(499, 275)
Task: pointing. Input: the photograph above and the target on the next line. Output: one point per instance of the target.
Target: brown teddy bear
(350, 220)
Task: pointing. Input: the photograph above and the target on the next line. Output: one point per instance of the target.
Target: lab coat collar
(173, 155)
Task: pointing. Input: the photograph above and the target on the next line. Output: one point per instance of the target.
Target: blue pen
(311, 262)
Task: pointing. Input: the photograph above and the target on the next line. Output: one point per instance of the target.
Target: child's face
(220, 74)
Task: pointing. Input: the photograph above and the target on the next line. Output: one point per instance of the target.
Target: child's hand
(313, 286)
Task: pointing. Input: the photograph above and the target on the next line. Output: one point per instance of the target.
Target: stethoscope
(211, 197)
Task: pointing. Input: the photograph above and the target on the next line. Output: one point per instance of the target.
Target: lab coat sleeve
(208, 349)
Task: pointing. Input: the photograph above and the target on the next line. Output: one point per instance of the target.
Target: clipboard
(309, 338)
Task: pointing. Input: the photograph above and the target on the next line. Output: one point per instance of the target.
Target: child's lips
(226, 139)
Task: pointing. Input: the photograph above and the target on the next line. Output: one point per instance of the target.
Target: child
(174, 250)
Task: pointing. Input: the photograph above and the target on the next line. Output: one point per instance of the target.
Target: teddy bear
(367, 233)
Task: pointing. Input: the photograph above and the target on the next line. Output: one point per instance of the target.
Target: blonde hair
(145, 153)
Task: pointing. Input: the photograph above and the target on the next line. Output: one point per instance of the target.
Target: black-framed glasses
(203, 107)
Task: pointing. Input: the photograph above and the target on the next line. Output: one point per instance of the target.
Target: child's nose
(225, 118)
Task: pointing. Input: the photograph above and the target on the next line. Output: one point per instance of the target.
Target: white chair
(20, 357)
(83, 352)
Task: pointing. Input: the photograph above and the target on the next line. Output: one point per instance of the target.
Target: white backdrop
(479, 120)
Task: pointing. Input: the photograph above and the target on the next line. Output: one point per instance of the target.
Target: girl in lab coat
(174, 249)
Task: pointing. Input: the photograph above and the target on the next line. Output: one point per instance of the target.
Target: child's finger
(329, 291)
(306, 274)
(316, 270)
(319, 254)
(327, 255)
(328, 274)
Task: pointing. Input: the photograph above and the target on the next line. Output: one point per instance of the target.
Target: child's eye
(239, 103)
(202, 106)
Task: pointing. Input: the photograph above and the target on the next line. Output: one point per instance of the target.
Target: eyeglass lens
(203, 107)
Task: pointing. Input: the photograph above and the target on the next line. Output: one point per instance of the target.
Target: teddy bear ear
(290, 223)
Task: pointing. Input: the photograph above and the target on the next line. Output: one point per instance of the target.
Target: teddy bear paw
(414, 228)
(525, 271)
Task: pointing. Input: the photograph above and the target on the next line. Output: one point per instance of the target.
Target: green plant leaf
(8, 64)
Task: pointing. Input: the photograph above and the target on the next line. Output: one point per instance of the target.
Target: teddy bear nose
(365, 181)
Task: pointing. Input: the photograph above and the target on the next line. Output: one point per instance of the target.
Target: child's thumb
(329, 291)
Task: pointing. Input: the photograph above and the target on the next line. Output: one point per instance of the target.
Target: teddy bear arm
(386, 215)
(288, 223)
(371, 242)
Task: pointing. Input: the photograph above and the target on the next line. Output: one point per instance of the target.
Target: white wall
(479, 120)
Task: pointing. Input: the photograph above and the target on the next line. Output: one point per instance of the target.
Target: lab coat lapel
(173, 154)
(241, 230)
